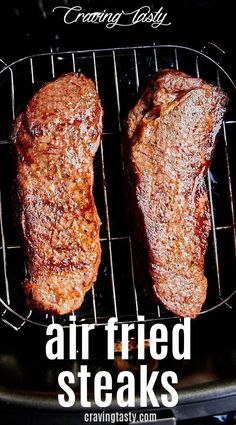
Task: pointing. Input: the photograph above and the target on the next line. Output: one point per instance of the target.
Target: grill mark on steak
(55, 139)
(170, 137)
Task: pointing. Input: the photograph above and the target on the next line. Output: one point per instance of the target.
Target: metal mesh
(119, 75)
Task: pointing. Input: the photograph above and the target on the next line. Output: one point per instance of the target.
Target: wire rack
(119, 75)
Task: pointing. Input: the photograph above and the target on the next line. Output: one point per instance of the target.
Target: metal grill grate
(119, 75)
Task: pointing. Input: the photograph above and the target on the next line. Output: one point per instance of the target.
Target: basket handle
(214, 51)
(3, 64)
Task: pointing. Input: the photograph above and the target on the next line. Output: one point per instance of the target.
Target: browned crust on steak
(171, 135)
(56, 138)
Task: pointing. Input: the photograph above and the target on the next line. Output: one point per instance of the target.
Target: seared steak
(171, 135)
(56, 138)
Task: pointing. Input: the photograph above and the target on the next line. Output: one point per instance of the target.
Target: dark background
(30, 26)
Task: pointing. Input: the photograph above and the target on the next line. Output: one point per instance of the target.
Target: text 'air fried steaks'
(171, 135)
(56, 138)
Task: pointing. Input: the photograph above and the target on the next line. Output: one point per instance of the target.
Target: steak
(55, 139)
(170, 138)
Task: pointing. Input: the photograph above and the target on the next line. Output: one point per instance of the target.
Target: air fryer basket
(119, 74)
